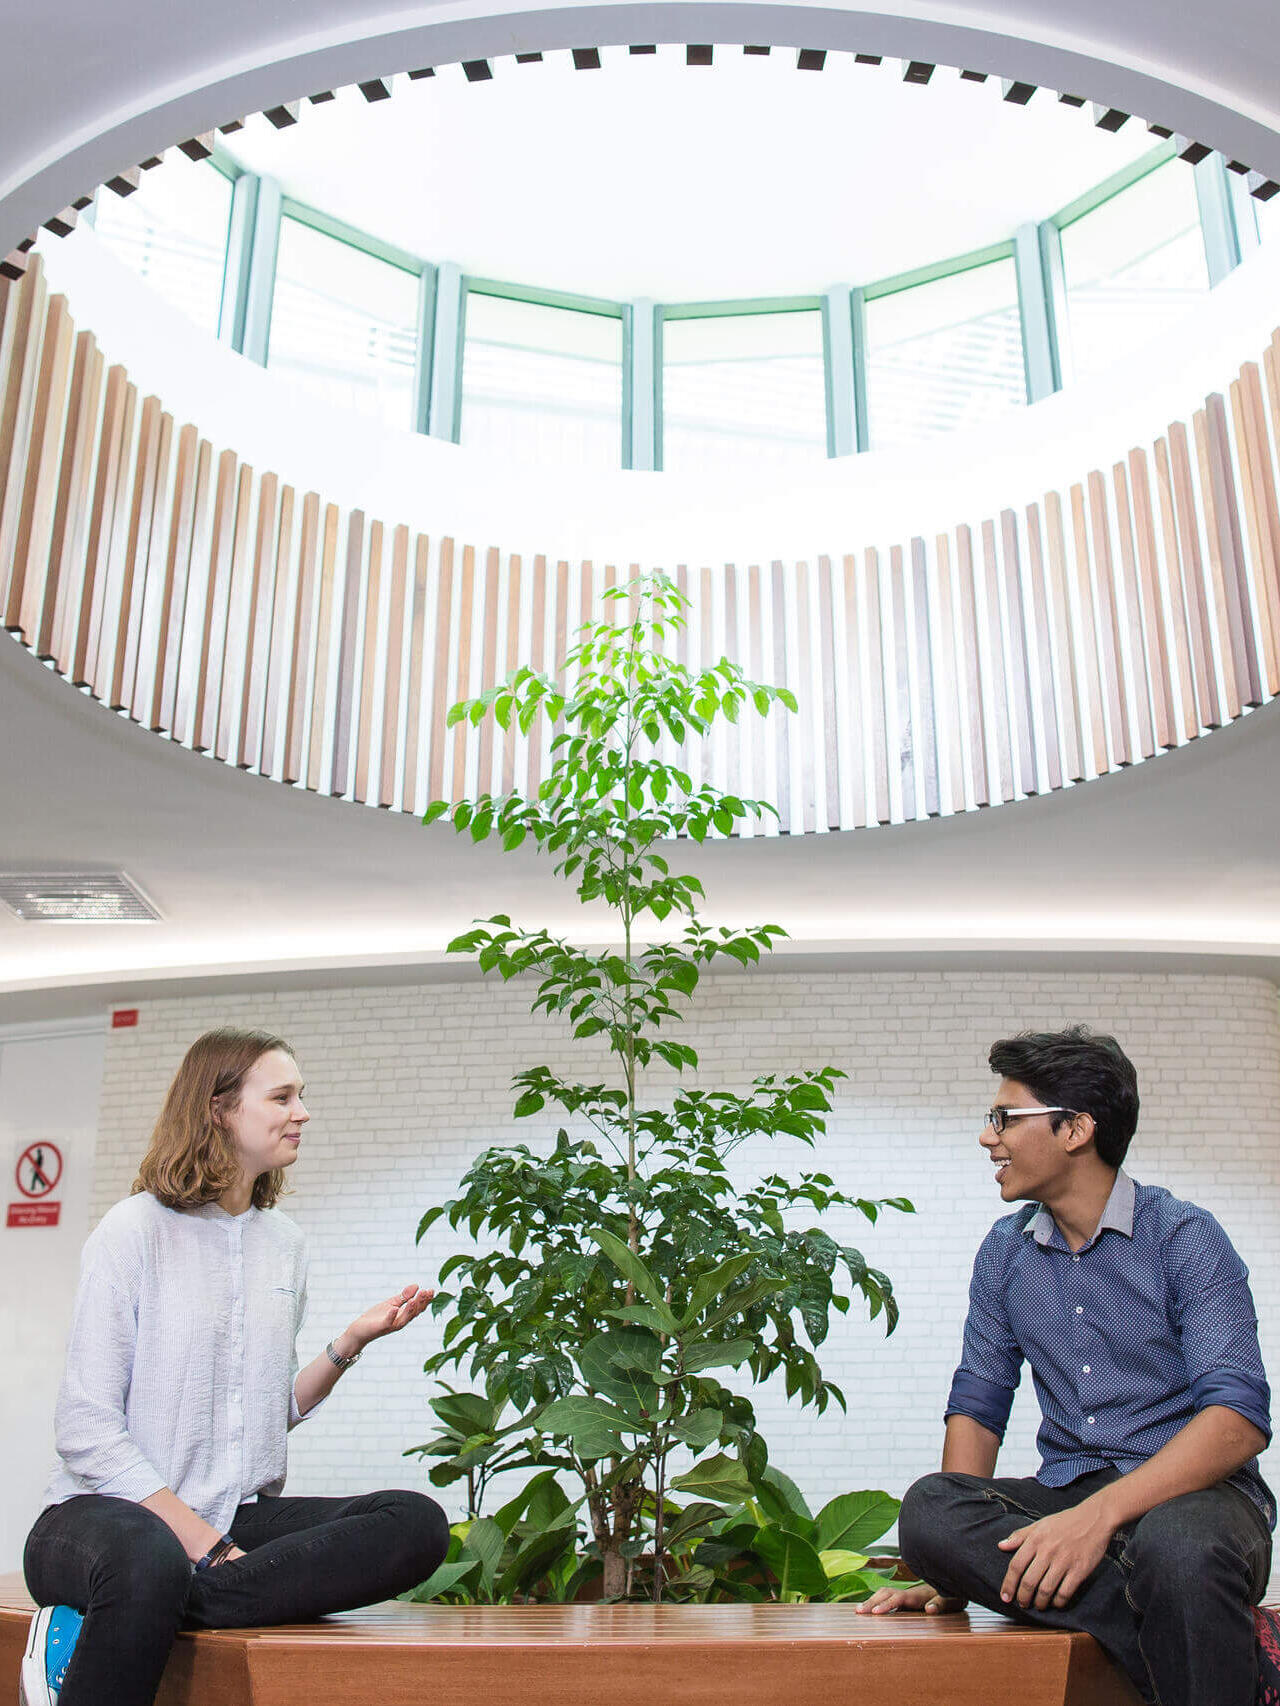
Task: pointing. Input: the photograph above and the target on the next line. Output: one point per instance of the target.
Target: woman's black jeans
(1171, 1602)
(125, 1570)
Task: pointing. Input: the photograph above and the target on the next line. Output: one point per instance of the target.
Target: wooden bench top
(622, 1655)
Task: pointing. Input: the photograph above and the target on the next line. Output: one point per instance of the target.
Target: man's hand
(921, 1598)
(1052, 1558)
(388, 1317)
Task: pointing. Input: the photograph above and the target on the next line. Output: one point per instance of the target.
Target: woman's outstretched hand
(390, 1316)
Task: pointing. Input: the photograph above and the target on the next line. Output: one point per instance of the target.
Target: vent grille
(75, 897)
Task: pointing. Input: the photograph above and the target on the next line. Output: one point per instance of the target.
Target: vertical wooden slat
(191, 643)
(151, 591)
(280, 645)
(1259, 488)
(832, 743)
(1218, 463)
(1109, 622)
(489, 661)
(757, 783)
(1133, 605)
(132, 583)
(1090, 687)
(1039, 596)
(110, 613)
(877, 696)
(1153, 601)
(851, 692)
(174, 549)
(23, 347)
(778, 599)
(440, 674)
(213, 640)
(391, 700)
(1194, 588)
(324, 645)
(464, 687)
(971, 673)
(898, 698)
(1069, 675)
(1019, 664)
(1260, 415)
(98, 532)
(31, 537)
(512, 734)
(925, 727)
(416, 707)
(304, 637)
(1197, 703)
(344, 688)
(537, 660)
(234, 652)
(1235, 678)
(369, 662)
(810, 704)
(995, 655)
(71, 514)
(258, 628)
(947, 685)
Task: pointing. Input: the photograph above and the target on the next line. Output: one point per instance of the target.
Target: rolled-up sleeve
(991, 1361)
(92, 1436)
(1217, 1323)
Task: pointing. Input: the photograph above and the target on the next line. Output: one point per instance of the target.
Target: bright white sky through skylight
(652, 178)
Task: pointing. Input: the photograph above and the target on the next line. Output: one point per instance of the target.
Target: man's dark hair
(1080, 1070)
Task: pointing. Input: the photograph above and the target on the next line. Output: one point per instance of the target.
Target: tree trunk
(614, 1585)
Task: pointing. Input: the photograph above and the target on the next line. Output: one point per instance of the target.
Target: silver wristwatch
(341, 1362)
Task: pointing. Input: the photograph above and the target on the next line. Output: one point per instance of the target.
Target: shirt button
(1086, 1369)
(1075, 1258)
(1090, 1421)
(1079, 1309)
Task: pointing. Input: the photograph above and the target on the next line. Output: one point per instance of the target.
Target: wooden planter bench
(621, 1655)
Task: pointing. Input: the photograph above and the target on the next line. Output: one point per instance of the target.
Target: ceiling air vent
(75, 897)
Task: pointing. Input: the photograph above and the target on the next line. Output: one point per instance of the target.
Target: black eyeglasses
(998, 1118)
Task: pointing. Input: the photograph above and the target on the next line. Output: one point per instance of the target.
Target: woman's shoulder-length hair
(191, 1159)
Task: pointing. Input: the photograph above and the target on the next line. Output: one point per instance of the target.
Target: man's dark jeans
(1170, 1602)
(125, 1569)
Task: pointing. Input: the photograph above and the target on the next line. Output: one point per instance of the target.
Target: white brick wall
(407, 1084)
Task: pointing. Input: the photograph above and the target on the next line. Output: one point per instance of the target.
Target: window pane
(743, 387)
(344, 324)
(1133, 267)
(944, 355)
(173, 230)
(543, 383)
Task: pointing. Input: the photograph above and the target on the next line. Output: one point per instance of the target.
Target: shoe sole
(33, 1684)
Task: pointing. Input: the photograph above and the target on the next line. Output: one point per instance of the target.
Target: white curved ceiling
(1179, 857)
(653, 178)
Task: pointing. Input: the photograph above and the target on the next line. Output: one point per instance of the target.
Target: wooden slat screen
(1123, 614)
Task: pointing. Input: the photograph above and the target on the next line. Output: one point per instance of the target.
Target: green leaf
(445, 1577)
(841, 1563)
(728, 1353)
(784, 1491)
(633, 1269)
(468, 1412)
(622, 1364)
(712, 1284)
(533, 1560)
(700, 1429)
(596, 1428)
(721, 1479)
(485, 1541)
(529, 1103)
(435, 810)
(853, 1520)
(794, 1563)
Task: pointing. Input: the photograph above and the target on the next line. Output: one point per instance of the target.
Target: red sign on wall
(33, 1213)
(123, 1018)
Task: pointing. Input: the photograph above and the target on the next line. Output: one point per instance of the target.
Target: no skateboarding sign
(37, 1175)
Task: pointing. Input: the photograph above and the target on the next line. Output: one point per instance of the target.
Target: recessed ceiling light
(75, 897)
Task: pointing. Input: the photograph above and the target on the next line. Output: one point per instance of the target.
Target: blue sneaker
(55, 1629)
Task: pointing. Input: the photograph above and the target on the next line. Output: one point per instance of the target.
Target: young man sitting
(1148, 1524)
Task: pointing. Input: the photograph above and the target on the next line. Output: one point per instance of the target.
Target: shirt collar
(1116, 1216)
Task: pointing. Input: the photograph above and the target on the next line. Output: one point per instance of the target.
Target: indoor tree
(618, 1273)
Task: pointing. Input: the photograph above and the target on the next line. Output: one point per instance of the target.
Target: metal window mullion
(423, 360)
(639, 386)
(1054, 276)
(444, 418)
(1035, 311)
(1217, 218)
(261, 279)
(239, 251)
(837, 362)
(1245, 209)
(858, 352)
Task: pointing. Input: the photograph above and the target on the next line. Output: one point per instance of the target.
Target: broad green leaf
(446, 1577)
(533, 1560)
(785, 1488)
(710, 1287)
(793, 1562)
(853, 1520)
(632, 1268)
(596, 1428)
(622, 1364)
(468, 1412)
(721, 1479)
(700, 1429)
(841, 1563)
(486, 1541)
(727, 1354)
